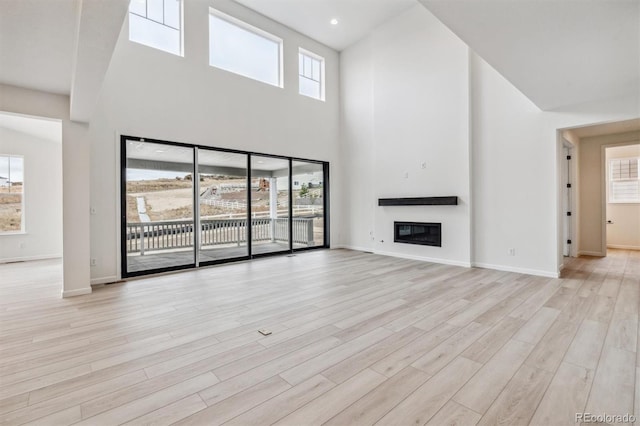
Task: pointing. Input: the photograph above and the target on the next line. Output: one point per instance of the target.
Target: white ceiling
(37, 43)
(556, 52)
(42, 128)
(356, 18)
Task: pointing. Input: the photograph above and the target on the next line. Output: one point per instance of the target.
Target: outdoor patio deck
(173, 258)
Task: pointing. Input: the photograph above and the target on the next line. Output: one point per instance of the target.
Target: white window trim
(322, 73)
(610, 200)
(23, 228)
(257, 31)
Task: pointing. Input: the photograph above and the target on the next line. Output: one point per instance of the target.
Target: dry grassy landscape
(11, 208)
(171, 199)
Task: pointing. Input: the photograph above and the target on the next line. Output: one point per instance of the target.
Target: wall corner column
(75, 209)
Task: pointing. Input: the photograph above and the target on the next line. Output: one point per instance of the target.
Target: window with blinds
(624, 185)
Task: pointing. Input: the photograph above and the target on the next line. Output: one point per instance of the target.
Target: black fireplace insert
(427, 234)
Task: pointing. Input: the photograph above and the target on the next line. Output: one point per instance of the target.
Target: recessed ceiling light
(334, 21)
(260, 162)
(159, 151)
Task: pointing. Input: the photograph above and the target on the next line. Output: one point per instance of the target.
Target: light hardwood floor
(356, 339)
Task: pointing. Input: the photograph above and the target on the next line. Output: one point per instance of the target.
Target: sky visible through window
(11, 168)
(243, 52)
(310, 71)
(156, 23)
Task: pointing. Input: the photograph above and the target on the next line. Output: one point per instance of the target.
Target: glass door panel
(269, 205)
(223, 205)
(308, 204)
(158, 198)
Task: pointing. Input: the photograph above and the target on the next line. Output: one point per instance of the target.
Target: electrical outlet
(424, 165)
(512, 252)
(93, 261)
(406, 175)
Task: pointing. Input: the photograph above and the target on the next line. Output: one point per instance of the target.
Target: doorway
(185, 206)
(30, 188)
(622, 196)
(585, 211)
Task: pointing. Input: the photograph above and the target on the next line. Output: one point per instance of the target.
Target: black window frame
(195, 265)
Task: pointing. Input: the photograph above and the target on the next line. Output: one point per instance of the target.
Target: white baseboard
(104, 280)
(30, 258)
(618, 246)
(425, 259)
(590, 253)
(548, 274)
(78, 292)
(540, 273)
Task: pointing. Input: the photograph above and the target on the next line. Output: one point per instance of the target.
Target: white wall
(42, 212)
(152, 94)
(516, 163)
(513, 177)
(412, 87)
(405, 102)
(75, 179)
(358, 146)
(624, 232)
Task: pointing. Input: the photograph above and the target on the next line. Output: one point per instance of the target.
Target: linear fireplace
(428, 234)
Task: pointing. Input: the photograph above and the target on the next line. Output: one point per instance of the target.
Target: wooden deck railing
(154, 236)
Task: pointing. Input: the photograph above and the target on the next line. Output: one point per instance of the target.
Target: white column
(273, 205)
(75, 209)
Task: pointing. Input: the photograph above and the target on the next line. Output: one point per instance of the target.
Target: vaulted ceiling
(60, 46)
(37, 40)
(356, 18)
(556, 52)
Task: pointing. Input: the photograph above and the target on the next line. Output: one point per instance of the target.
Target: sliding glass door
(183, 206)
(269, 205)
(158, 199)
(223, 207)
(308, 204)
